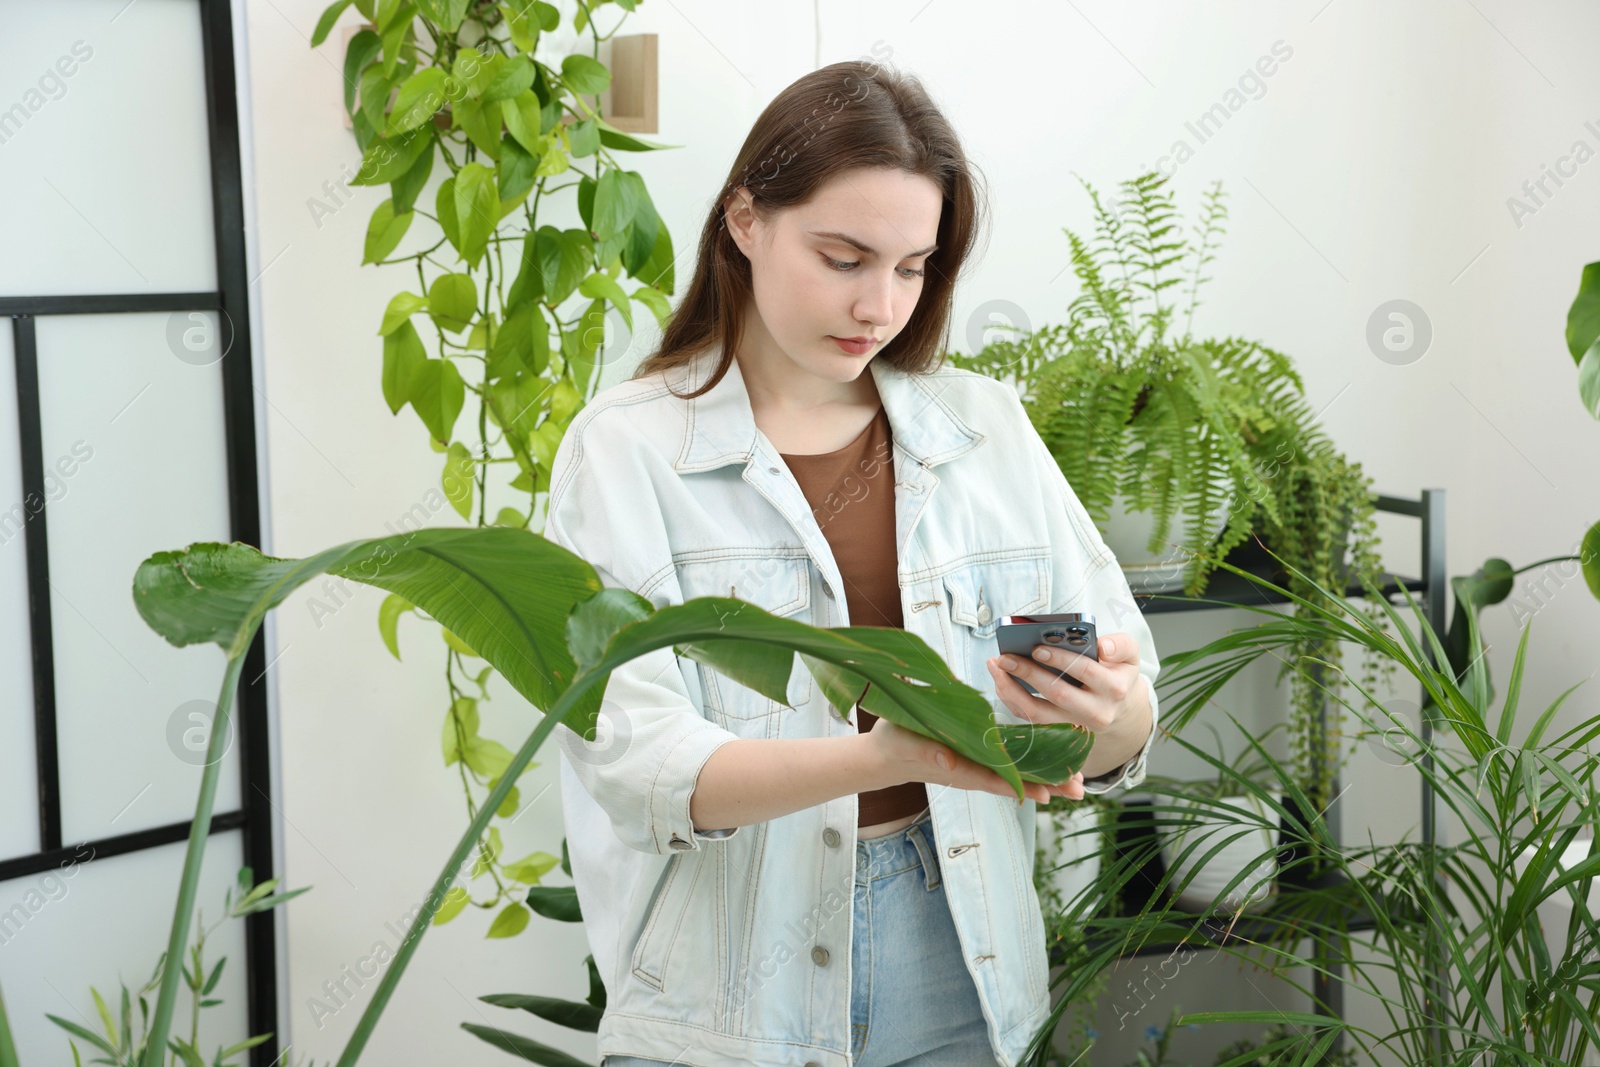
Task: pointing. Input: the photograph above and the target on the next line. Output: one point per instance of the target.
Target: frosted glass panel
(104, 155)
(97, 918)
(135, 434)
(19, 828)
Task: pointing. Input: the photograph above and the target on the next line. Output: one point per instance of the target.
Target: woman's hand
(910, 757)
(1113, 702)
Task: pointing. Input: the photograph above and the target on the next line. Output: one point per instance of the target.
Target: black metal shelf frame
(1428, 591)
(254, 820)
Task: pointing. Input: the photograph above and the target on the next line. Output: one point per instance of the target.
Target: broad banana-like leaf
(1040, 752)
(539, 615)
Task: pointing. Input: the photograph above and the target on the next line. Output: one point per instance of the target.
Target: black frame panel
(254, 820)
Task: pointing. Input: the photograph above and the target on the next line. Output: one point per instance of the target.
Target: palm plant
(1454, 928)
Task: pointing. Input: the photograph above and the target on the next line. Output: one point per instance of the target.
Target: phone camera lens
(1077, 631)
(1054, 637)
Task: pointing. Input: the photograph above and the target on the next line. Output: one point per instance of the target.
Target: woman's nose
(875, 302)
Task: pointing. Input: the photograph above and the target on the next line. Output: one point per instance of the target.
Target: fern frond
(1213, 212)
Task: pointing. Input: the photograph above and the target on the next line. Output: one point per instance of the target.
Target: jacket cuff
(670, 824)
(1131, 773)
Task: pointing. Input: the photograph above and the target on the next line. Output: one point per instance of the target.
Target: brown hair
(857, 113)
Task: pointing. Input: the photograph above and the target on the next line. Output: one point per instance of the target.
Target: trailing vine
(513, 311)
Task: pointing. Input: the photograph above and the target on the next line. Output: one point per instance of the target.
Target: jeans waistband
(913, 847)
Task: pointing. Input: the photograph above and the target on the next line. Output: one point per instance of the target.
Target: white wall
(1376, 165)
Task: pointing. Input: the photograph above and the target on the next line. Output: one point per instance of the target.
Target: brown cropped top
(851, 493)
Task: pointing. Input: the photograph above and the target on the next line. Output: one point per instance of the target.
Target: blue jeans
(912, 1000)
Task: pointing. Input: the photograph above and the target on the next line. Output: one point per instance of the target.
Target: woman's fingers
(945, 766)
(969, 774)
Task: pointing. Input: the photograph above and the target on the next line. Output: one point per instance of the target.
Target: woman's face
(846, 264)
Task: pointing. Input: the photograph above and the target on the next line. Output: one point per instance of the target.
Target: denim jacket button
(984, 614)
(819, 956)
(827, 590)
(830, 837)
(679, 843)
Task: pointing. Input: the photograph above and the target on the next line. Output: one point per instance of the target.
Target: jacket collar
(720, 426)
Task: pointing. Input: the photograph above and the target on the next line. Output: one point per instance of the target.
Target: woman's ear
(739, 216)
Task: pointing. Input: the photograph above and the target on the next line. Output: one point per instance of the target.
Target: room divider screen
(127, 406)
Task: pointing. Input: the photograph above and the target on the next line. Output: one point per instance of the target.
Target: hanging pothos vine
(512, 312)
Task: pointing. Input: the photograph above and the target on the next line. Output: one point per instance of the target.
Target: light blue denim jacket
(704, 939)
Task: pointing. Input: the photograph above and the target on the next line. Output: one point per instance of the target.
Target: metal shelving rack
(1429, 591)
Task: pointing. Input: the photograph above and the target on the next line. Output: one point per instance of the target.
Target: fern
(1193, 426)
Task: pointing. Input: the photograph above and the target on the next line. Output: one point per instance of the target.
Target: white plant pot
(1128, 532)
(1075, 847)
(1205, 827)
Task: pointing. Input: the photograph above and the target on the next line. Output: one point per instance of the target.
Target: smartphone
(1073, 632)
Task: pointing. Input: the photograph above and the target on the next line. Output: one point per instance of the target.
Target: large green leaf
(1583, 317)
(481, 121)
(574, 1015)
(405, 189)
(615, 202)
(905, 681)
(1589, 379)
(522, 343)
(360, 51)
(507, 593)
(1041, 751)
(330, 15)
(420, 96)
(390, 158)
(477, 206)
(614, 138)
(384, 231)
(603, 286)
(444, 203)
(1589, 559)
(558, 902)
(514, 77)
(521, 114)
(584, 74)
(515, 172)
(537, 613)
(523, 24)
(639, 245)
(1583, 337)
(453, 301)
(403, 358)
(658, 270)
(563, 257)
(525, 1048)
(447, 13)
(437, 393)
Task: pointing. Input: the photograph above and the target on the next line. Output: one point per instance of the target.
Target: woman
(765, 882)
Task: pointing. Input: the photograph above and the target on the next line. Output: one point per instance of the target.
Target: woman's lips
(855, 348)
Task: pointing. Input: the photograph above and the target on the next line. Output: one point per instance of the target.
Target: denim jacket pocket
(777, 584)
(664, 928)
(981, 593)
